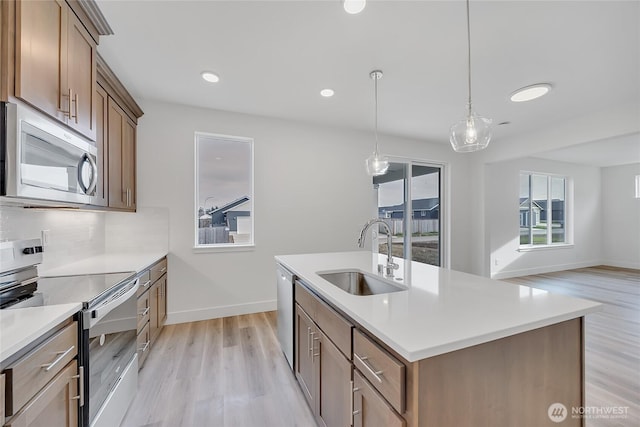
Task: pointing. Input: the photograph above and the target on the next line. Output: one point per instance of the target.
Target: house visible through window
(543, 209)
(224, 191)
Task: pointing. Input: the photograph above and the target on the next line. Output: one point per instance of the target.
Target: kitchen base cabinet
(322, 370)
(369, 408)
(55, 405)
(152, 307)
(43, 386)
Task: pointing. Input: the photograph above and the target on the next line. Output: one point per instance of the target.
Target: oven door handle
(100, 312)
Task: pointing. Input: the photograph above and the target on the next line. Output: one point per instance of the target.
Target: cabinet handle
(147, 283)
(144, 313)
(75, 101)
(66, 112)
(80, 377)
(145, 347)
(309, 340)
(362, 360)
(62, 355)
(163, 269)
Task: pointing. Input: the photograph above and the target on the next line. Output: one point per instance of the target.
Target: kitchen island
(455, 349)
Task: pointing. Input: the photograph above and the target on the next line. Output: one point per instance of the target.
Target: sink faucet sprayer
(390, 264)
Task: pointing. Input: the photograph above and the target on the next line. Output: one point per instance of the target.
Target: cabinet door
(55, 405)
(153, 303)
(121, 143)
(334, 398)
(40, 59)
(81, 77)
(162, 302)
(1, 398)
(102, 188)
(370, 409)
(305, 368)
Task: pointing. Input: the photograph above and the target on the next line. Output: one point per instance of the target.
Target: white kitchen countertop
(441, 310)
(106, 263)
(21, 326)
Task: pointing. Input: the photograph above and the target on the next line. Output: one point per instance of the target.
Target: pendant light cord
(469, 56)
(375, 83)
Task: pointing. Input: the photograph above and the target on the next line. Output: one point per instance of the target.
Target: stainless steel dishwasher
(285, 312)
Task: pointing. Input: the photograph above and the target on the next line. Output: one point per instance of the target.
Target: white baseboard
(622, 264)
(217, 312)
(543, 269)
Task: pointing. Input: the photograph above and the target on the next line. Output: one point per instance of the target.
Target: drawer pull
(362, 360)
(163, 269)
(62, 355)
(145, 347)
(144, 313)
(147, 283)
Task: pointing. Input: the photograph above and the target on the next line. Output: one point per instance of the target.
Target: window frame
(223, 247)
(568, 213)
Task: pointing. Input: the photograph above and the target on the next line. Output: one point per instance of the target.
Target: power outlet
(46, 238)
(496, 262)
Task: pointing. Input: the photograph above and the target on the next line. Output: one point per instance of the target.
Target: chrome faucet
(390, 264)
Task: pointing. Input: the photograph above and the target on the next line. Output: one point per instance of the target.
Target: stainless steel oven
(40, 159)
(108, 325)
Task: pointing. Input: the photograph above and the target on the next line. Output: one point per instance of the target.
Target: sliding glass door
(410, 202)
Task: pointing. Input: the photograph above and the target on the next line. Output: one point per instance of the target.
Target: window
(412, 190)
(543, 209)
(224, 191)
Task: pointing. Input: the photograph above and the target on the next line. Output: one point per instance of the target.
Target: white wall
(620, 216)
(311, 195)
(502, 207)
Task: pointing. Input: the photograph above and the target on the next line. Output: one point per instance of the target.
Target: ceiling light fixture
(473, 132)
(531, 92)
(376, 164)
(327, 93)
(210, 77)
(354, 6)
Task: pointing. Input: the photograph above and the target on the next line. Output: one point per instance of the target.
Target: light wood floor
(217, 373)
(612, 336)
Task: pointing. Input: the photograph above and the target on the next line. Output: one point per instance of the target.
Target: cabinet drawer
(385, 372)
(144, 344)
(27, 376)
(145, 282)
(143, 310)
(306, 300)
(369, 408)
(335, 327)
(158, 270)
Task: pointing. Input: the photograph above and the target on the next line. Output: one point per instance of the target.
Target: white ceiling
(273, 58)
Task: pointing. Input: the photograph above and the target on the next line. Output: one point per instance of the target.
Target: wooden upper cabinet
(81, 77)
(39, 57)
(55, 63)
(102, 108)
(121, 135)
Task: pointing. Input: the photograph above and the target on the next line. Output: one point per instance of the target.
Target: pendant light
(473, 132)
(376, 163)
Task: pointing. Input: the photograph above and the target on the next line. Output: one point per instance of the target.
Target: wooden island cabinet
(350, 377)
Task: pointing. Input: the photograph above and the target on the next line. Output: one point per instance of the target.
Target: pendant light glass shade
(376, 164)
(473, 132)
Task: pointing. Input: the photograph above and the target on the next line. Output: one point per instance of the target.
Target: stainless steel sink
(359, 283)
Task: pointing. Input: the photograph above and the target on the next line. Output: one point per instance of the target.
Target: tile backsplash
(75, 235)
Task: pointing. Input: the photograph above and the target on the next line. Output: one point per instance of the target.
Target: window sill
(224, 248)
(545, 247)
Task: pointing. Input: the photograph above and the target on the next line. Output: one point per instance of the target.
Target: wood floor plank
(612, 336)
(218, 373)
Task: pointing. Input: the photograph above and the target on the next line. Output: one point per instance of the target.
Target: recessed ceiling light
(354, 6)
(530, 92)
(327, 93)
(210, 77)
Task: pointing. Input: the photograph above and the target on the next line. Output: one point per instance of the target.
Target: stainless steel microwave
(43, 161)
